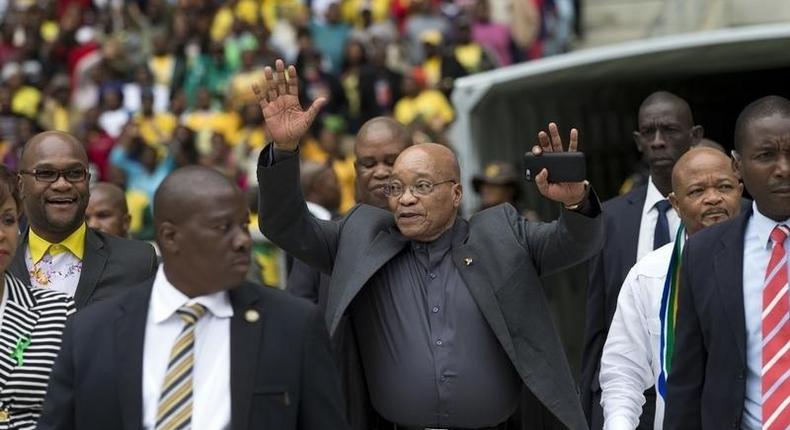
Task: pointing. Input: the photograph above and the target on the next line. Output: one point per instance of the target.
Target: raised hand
(568, 193)
(284, 119)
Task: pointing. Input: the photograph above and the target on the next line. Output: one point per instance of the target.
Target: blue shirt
(756, 253)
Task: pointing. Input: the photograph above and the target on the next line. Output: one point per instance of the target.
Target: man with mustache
(706, 191)
(636, 223)
(731, 367)
(59, 251)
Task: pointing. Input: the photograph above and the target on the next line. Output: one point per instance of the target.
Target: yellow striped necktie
(174, 411)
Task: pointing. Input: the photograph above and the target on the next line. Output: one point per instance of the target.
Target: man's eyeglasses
(52, 175)
(421, 188)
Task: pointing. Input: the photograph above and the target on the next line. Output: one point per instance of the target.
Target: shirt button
(435, 309)
(432, 275)
(439, 342)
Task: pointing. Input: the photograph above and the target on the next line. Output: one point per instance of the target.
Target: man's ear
(638, 141)
(673, 200)
(697, 133)
(458, 192)
(127, 221)
(736, 163)
(167, 235)
(20, 186)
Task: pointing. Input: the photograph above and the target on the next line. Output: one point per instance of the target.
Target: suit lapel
(630, 227)
(17, 309)
(728, 270)
(464, 257)
(18, 266)
(245, 340)
(93, 263)
(128, 349)
(385, 246)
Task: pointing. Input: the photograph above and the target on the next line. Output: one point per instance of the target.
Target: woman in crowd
(31, 325)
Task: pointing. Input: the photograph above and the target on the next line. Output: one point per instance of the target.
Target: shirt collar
(761, 226)
(436, 249)
(653, 196)
(166, 299)
(75, 243)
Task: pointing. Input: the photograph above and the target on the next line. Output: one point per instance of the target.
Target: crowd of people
(152, 85)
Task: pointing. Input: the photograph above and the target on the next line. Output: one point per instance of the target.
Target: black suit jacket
(500, 257)
(707, 383)
(622, 216)
(282, 374)
(110, 265)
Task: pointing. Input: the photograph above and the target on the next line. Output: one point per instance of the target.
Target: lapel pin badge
(252, 316)
(468, 261)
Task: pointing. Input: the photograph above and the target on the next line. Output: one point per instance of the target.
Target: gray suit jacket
(109, 266)
(501, 258)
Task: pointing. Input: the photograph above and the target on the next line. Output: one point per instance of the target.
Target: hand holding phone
(568, 185)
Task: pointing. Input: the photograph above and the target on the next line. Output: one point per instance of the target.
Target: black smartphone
(562, 166)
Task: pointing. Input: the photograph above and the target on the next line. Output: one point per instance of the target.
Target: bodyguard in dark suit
(448, 314)
(731, 366)
(197, 347)
(59, 252)
(635, 224)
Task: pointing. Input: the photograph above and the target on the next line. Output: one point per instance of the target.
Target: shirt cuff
(271, 156)
(590, 206)
(619, 422)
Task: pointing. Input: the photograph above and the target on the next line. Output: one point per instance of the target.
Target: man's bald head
(378, 143)
(110, 193)
(441, 159)
(700, 158)
(705, 188)
(187, 189)
(681, 107)
(383, 128)
(52, 141)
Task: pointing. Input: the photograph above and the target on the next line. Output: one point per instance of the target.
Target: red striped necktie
(776, 337)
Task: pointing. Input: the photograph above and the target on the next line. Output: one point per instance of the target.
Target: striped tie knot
(190, 314)
(779, 234)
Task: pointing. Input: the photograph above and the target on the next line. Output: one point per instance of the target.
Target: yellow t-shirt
(26, 101)
(431, 105)
(156, 130)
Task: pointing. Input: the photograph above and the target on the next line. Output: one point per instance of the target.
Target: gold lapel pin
(468, 261)
(4, 416)
(251, 315)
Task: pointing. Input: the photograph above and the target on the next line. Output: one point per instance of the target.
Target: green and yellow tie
(175, 403)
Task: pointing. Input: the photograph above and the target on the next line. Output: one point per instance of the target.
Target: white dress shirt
(631, 363)
(211, 371)
(647, 226)
(756, 253)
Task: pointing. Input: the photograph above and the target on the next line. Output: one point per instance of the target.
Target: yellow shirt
(351, 10)
(156, 130)
(75, 243)
(431, 105)
(25, 101)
